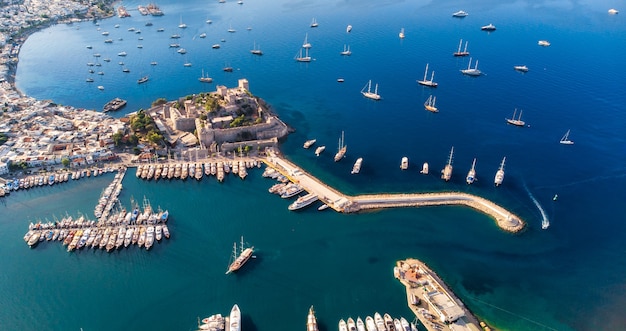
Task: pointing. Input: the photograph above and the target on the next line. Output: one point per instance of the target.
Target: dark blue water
(567, 277)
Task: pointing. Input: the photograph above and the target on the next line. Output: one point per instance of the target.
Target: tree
(117, 138)
(65, 162)
(159, 101)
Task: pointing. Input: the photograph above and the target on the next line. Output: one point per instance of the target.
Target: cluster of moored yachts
(195, 169)
(120, 229)
(287, 189)
(108, 198)
(51, 179)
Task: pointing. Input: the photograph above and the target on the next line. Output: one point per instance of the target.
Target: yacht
(521, 68)
(488, 27)
(303, 201)
(425, 82)
(424, 169)
(389, 322)
(369, 94)
(291, 190)
(341, 151)
(370, 325)
(351, 324)
(500, 173)
(472, 71)
(462, 53)
(357, 166)
(234, 323)
(471, 175)
(342, 325)
(238, 260)
(311, 321)
(360, 326)
(460, 13)
(543, 43)
(309, 143)
(446, 173)
(346, 50)
(319, 150)
(429, 104)
(613, 11)
(122, 54)
(516, 121)
(404, 164)
(142, 79)
(380, 323)
(401, 34)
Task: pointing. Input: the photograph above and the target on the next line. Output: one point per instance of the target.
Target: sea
(569, 276)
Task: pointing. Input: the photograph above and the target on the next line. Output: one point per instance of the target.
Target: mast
(425, 72)
(432, 77)
(460, 43)
(465, 50)
(241, 246)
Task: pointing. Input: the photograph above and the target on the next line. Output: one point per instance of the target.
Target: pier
(432, 302)
(348, 204)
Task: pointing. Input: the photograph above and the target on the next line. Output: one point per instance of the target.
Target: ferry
(404, 164)
(309, 143)
(319, 150)
(357, 166)
(303, 201)
(114, 105)
(239, 261)
(311, 321)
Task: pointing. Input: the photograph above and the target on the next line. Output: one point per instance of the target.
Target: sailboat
(430, 104)
(500, 173)
(429, 83)
(256, 50)
(303, 57)
(239, 260)
(369, 94)
(459, 52)
(471, 175)
(341, 150)
(205, 79)
(516, 121)
(446, 173)
(471, 71)
(346, 50)
(306, 43)
(311, 321)
(314, 23)
(401, 34)
(231, 30)
(565, 140)
(182, 25)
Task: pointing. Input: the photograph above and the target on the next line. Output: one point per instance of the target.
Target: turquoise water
(566, 278)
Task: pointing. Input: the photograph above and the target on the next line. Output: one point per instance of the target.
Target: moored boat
(303, 201)
(234, 319)
(309, 143)
(357, 166)
(319, 150)
(239, 260)
(311, 321)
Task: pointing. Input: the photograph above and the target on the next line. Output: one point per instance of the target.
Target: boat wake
(545, 222)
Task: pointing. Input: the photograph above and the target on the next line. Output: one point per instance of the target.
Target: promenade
(348, 204)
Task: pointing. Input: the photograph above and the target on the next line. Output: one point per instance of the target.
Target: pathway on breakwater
(348, 204)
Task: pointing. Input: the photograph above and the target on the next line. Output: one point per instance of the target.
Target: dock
(432, 302)
(342, 203)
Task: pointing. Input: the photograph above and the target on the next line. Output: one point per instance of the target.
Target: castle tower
(243, 84)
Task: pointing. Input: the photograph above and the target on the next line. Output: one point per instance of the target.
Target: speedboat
(543, 43)
(488, 27)
(460, 13)
(521, 68)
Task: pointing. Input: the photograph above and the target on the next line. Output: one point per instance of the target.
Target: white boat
(342, 325)
(205, 79)
(425, 82)
(521, 68)
(471, 175)
(346, 50)
(322, 207)
(231, 30)
(182, 25)
(500, 173)
(351, 324)
(401, 34)
(397, 324)
(303, 56)
(488, 27)
(122, 53)
(370, 325)
(309, 143)
(516, 121)
(613, 11)
(202, 35)
(405, 324)
(291, 190)
(565, 140)
(404, 163)
(380, 322)
(100, 87)
(314, 23)
(306, 43)
(429, 104)
(341, 151)
(389, 322)
(460, 53)
(349, 28)
(446, 173)
(215, 46)
(357, 166)
(235, 319)
(472, 71)
(360, 326)
(424, 169)
(369, 94)
(311, 321)
(303, 201)
(239, 260)
(460, 13)
(319, 150)
(543, 43)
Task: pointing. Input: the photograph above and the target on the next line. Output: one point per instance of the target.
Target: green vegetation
(17, 166)
(159, 101)
(65, 162)
(144, 128)
(3, 138)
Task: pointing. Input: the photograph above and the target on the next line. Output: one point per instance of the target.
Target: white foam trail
(545, 222)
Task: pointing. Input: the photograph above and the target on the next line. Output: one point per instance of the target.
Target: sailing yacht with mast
(256, 50)
(369, 94)
(346, 50)
(446, 173)
(500, 173)
(205, 79)
(472, 71)
(516, 121)
(430, 104)
(182, 25)
(565, 140)
(314, 23)
(303, 56)
(471, 175)
(239, 260)
(460, 53)
(429, 83)
(306, 43)
(341, 151)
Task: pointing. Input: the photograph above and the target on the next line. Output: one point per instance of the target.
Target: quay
(432, 302)
(348, 204)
